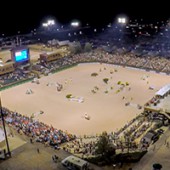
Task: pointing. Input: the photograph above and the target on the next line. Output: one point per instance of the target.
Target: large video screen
(21, 55)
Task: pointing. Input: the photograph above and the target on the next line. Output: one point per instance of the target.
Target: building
(52, 56)
(6, 67)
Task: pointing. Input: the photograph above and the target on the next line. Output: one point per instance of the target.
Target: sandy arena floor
(107, 111)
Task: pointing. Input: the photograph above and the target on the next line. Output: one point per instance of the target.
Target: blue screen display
(21, 55)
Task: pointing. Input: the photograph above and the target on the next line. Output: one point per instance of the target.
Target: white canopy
(163, 90)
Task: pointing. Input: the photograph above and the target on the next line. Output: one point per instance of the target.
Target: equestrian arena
(104, 103)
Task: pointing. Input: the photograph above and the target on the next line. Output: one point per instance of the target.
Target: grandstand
(52, 56)
(6, 68)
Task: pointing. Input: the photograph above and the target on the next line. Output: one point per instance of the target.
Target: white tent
(163, 91)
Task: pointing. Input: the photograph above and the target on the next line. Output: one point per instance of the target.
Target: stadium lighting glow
(51, 22)
(122, 20)
(45, 25)
(109, 25)
(75, 24)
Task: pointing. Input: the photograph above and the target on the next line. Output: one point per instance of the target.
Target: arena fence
(15, 84)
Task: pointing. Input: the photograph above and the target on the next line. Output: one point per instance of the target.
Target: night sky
(28, 15)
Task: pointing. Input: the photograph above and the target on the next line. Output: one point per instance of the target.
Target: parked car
(160, 131)
(155, 138)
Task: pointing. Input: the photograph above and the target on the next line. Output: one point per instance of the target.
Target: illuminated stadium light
(122, 20)
(51, 22)
(119, 20)
(80, 32)
(45, 24)
(75, 23)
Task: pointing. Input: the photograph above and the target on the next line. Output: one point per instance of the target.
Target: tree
(87, 47)
(157, 166)
(104, 146)
(78, 47)
(72, 49)
(75, 48)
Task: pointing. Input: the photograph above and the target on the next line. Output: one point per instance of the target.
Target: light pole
(122, 20)
(3, 123)
(48, 24)
(75, 24)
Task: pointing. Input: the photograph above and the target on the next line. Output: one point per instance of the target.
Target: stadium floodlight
(45, 24)
(51, 22)
(75, 24)
(122, 20)
(48, 23)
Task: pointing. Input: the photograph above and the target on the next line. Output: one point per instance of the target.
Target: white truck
(75, 163)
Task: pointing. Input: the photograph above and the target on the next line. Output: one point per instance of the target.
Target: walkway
(157, 153)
